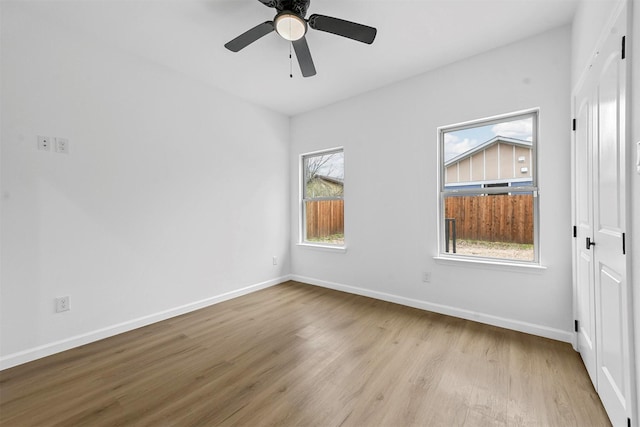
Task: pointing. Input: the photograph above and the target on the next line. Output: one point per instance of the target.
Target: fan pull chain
(290, 63)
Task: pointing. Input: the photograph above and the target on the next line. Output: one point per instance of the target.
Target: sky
(461, 141)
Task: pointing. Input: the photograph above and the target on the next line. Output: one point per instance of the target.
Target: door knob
(590, 243)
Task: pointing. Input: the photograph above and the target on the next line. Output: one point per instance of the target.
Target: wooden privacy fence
(499, 218)
(325, 218)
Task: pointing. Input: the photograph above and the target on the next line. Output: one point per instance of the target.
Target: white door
(612, 288)
(584, 270)
(602, 289)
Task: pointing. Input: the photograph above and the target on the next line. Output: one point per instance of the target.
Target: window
(323, 198)
(488, 189)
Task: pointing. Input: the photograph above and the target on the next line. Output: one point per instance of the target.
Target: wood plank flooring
(297, 355)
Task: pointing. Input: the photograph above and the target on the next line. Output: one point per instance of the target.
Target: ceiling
(413, 37)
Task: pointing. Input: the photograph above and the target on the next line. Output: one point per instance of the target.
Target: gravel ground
(336, 239)
(495, 250)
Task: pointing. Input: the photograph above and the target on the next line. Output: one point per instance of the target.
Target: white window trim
(301, 208)
(325, 248)
(489, 263)
(444, 257)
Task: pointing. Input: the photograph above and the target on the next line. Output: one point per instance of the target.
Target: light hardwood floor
(296, 354)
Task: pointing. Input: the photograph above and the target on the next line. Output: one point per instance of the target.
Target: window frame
(533, 188)
(302, 232)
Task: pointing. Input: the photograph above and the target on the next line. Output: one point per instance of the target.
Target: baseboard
(35, 353)
(516, 325)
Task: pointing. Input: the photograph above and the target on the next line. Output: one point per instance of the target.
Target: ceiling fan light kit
(291, 25)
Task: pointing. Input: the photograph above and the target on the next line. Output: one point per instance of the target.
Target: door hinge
(628, 422)
(623, 46)
(624, 250)
(573, 124)
(575, 325)
(575, 231)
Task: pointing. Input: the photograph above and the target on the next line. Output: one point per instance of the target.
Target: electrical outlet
(275, 260)
(62, 304)
(62, 145)
(44, 143)
(426, 276)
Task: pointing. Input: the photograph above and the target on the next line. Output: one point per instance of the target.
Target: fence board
(324, 218)
(495, 218)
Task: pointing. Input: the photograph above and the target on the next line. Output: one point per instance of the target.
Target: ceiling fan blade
(268, 3)
(340, 27)
(248, 37)
(304, 57)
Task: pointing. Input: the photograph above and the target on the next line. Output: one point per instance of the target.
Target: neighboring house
(325, 186)
(499, 162)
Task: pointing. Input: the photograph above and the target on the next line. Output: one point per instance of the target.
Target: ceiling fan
(291, 25)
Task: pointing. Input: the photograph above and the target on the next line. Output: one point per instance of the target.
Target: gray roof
(333, 179)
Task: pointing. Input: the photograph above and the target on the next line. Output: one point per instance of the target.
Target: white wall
(173, 194)
(590, 19)
(390, 143)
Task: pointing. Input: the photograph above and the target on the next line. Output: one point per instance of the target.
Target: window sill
(326, 248)
(491, 264)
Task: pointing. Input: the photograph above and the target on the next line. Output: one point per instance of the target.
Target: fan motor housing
(299, 7)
